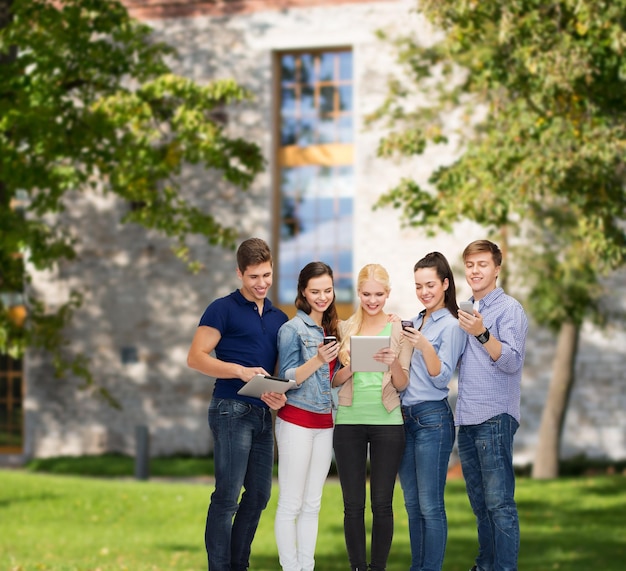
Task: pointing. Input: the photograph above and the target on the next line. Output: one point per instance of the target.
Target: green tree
(88, 103)
(535, 93)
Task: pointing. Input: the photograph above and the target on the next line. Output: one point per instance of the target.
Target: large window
(11, 414)
(315, 169)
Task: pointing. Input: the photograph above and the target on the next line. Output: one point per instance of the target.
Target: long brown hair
(316, 270)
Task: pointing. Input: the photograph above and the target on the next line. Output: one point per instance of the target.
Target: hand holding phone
(406, 323)
(327, 354)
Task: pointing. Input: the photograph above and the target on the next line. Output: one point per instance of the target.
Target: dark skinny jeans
(386, 447)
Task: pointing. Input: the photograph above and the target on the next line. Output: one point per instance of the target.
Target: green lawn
(65, 523)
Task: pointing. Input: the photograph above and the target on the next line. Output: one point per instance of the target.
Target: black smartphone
(406, 323)
(329, 339)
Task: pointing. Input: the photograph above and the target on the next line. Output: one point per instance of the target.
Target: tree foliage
(535, 94)
(88, 101)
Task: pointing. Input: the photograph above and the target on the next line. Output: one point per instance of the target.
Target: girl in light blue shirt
(438, 343)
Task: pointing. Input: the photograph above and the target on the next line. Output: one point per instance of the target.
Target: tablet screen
(362, 349)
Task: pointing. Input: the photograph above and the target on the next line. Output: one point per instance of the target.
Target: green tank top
(367, 400)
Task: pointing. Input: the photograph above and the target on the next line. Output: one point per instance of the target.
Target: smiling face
(373, 296)
(256, 281)
(430, 290)
(319, 294)
(481, 273)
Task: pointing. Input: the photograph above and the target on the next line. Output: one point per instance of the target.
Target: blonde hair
(352, 325)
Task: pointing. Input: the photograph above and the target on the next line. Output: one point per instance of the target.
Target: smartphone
(467, 307)
(330, 339)
(406, 323)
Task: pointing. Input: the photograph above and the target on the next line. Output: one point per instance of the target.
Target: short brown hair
(252, 252)
(484, 246)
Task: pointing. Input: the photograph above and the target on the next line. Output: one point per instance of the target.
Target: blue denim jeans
(486, 452)
(429, 431)
(244, 457)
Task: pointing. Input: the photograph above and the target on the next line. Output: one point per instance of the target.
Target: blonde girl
(369, 419)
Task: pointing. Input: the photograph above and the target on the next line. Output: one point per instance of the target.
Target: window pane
(345, 98)
(327, 64)
(327, 99)
(307, 102)
(345, 183)
(288, 132)
(326, 131)
(311, 88)
(307, 69)
(346, 132)
(343, 278)
(345, 66)
(306, 132)
(320, 224)
(11, 416)
(288, 100)
(288, 69)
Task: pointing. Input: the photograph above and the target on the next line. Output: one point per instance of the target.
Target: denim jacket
(298, 340)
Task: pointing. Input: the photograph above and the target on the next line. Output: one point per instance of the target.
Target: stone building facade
(142, 306)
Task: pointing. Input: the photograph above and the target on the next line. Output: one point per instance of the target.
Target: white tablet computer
(260, 384)
(362, 349)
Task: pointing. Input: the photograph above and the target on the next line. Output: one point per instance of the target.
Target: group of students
(398, 421)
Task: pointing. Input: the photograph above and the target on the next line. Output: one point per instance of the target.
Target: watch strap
(483, 337)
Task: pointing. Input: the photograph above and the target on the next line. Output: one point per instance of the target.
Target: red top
(305, 418)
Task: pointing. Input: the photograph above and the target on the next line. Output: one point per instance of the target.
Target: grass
(115, 465)
(66, 523)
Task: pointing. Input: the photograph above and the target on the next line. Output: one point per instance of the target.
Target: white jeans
(304, 457)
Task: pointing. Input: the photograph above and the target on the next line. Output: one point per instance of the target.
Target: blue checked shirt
(488, 388)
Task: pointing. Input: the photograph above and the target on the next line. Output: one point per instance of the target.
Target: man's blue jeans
(486, 452)
(429, 431)
(244, 457)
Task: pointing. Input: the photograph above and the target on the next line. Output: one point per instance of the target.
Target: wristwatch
(483, 337)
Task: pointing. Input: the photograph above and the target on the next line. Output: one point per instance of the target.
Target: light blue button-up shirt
(488, 388)
(448, 339)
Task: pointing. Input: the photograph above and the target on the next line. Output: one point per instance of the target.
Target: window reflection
(316, 87)
(316, 189)
(317, 209)
(345, 129)
(288, 68)
(345, 66)
(345, 97)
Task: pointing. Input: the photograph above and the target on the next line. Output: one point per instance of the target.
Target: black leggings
(386, 447)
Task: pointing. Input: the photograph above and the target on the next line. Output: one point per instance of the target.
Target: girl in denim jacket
(304, 426)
